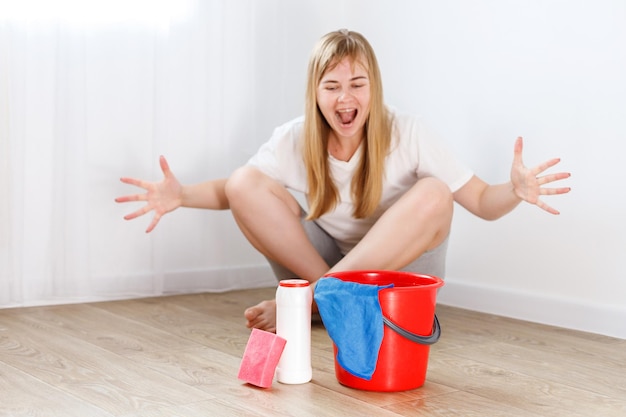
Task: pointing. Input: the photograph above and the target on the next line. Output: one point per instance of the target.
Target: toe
(262, 316)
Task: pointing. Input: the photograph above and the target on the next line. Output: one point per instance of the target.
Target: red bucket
(410, 328)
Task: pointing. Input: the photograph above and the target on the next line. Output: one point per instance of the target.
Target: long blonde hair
(367, 182)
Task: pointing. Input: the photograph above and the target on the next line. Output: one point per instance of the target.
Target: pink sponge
(261, 358)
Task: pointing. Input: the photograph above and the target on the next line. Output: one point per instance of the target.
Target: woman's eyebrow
(358, 77)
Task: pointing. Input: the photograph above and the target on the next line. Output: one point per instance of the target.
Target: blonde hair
(367, 182)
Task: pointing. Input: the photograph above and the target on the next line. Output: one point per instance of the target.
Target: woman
(379, 188)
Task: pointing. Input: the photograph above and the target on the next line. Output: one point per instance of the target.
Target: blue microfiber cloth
(353, 317)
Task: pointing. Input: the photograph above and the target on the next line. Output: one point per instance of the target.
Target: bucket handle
(422, 340)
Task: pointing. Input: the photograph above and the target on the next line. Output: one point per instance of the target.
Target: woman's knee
(434, 197)
(435, 203)
(247, 185)
(241, 181)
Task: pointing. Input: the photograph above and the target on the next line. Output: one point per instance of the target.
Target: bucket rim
(436, 281)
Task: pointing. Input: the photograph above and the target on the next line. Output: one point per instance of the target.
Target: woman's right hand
(162, 197)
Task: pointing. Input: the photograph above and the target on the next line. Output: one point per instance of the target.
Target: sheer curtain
(88, 98)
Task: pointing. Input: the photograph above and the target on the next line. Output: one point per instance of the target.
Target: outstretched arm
(167, 195)
(491, 202)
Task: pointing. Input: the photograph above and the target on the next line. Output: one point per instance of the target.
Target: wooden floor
(179, 356)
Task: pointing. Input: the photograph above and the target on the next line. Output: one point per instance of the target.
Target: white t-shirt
(415, 153)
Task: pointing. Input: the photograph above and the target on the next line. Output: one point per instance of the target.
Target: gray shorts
(432, 262)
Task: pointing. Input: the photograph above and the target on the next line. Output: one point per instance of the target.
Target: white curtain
(90, 93)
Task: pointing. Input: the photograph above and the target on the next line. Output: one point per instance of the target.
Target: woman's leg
(269, 217)
(323, 243)
(418, 222)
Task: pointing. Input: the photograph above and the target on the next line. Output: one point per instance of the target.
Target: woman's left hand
(527, 183)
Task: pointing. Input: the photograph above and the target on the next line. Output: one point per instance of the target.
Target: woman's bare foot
(262, 316)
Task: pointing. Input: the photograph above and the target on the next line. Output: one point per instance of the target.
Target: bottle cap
(294, 283)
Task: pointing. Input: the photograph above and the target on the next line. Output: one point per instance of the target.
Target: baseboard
(109, 288)
(562, 312)
(219, 279)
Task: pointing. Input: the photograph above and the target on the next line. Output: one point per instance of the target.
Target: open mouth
(346, 116)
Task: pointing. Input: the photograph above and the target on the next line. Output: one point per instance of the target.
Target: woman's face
(343, 96)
